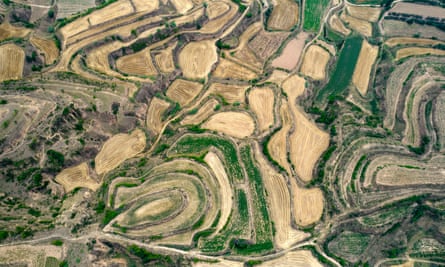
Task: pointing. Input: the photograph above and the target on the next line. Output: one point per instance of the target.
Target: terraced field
(222, 133)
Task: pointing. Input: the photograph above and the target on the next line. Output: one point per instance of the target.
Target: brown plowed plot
(279, 200)
(398, 175)
(66, 8)
(231, 93)
(291, 53)
(307, 142)
(144, 5)
(227, 69)
(216, 9)
(139, 63)
(182, 6)
(12, 59)
(225, 189)
(267, 43)
(439, 120)
(48, 47)
(277, 145)
(418, 51)
(183, 91)
(9, 31)
(364, 12)
(119, 148)
(75, 177)
(299, 258)
(154, 114)
(368, 55)
(236, 124)
(243, 54)
(419, 9)
(164, 59)
(307, 204)
(284, 15)
(338, 26)
(196, 59)
(203, 113)
(314, 62)
(261, 101)
(411, 41)
(358, 25)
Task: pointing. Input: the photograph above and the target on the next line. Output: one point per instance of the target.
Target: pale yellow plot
(216, 9)
(182, 6)
(261, 101)
(235, 124)
(231, 93)
(154, 114)
(358, 25)
(78, 176)
(227, 69)
(12, 60)
(277, 145)
(371, 14)
(197, 58)
(314, 62)
(119, 148)
(112, 11)
(220, 263)
(307, 204)
(183, 91)
(411, 41)
(418, 51)
(338, 26)
(284, 15)
(9, 31)
(203, 113)
(299, 258)
(145, 5)
(277, 77)
(47, 46)
(164, 59)
(139, 63)
(327, 46)
(368, 55)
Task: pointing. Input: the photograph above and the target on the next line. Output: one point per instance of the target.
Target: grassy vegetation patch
(313, 13)
(349, 244)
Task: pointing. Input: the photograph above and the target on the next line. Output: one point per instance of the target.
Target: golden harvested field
(368, 55)
(154, 114)
(48, 47)
(182, 6)
(224, 188)
(29, 255)
(417, 51)
(183, 91)
(164, 59)
(307, 204)
(235, 124)
(264, 44)
(231, 93)
(12, 59)
(203, 113)
(358, 25)
(196, 59)
(217, 24)
(97, 59)
(220, 263)
(411, 41)
(216, 9)
(314, 62)
(77, 176)
(279, 200)
(9, 31)
(277, 77)
(325, 45)
(298, 258)
(119, 148)
(243, 54)
(277, 145)
(284, 15)
(291, 53)
(307, 142)
(139, 63)
(338, 26)
(261, 101)
(371, 14)
(144, 5)
(228, 69)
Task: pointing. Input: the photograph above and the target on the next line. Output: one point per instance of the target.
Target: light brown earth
(307, 204)
(261, 101)
(197, 58)
(419, 9)
(183, 91)
(154, 114)
(203, 113)
(284, 15)
(227, 69)
(216, 9)
(411, 41)
(291, 53)
(182, 6)
(235, 124)
(417, 51)
(338, 26)
(231, 93)
(164, 59)
(12, 60)
(119, 148)
(358, 25)
(314, 62)
(264, 44)
(299, 258)
(371, 14)
(9, 31)
(144, 5)
(139, 63)
(78, 176)
(368, 55)
(47, 46)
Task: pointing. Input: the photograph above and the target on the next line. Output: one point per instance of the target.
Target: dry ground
(119, 148)
(307, 204)
(338, 26)
(216, 9)
(358, 25)
(203, 113)
(314, 62)
(277, 145)
(144, 5)
(291, 53)
(368, 55)
(419, 9)
(12, 59)
(371, 14)
(299, 258)
(75, 177)
(197, 58)
(48, 47)
(231, 93)
(139, 63)
(182, 6)
(411, 41)
(183, 91)
(164, 59)
(235, 124)
(154, 114)
(261, 101)
(264, 44)
(284, 15)
(9, 31)
(417, 51)
(228, 69)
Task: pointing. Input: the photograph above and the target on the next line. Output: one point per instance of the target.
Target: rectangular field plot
(313, 14)
(67, 8)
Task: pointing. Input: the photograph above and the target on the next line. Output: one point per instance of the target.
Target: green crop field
(313, 14)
